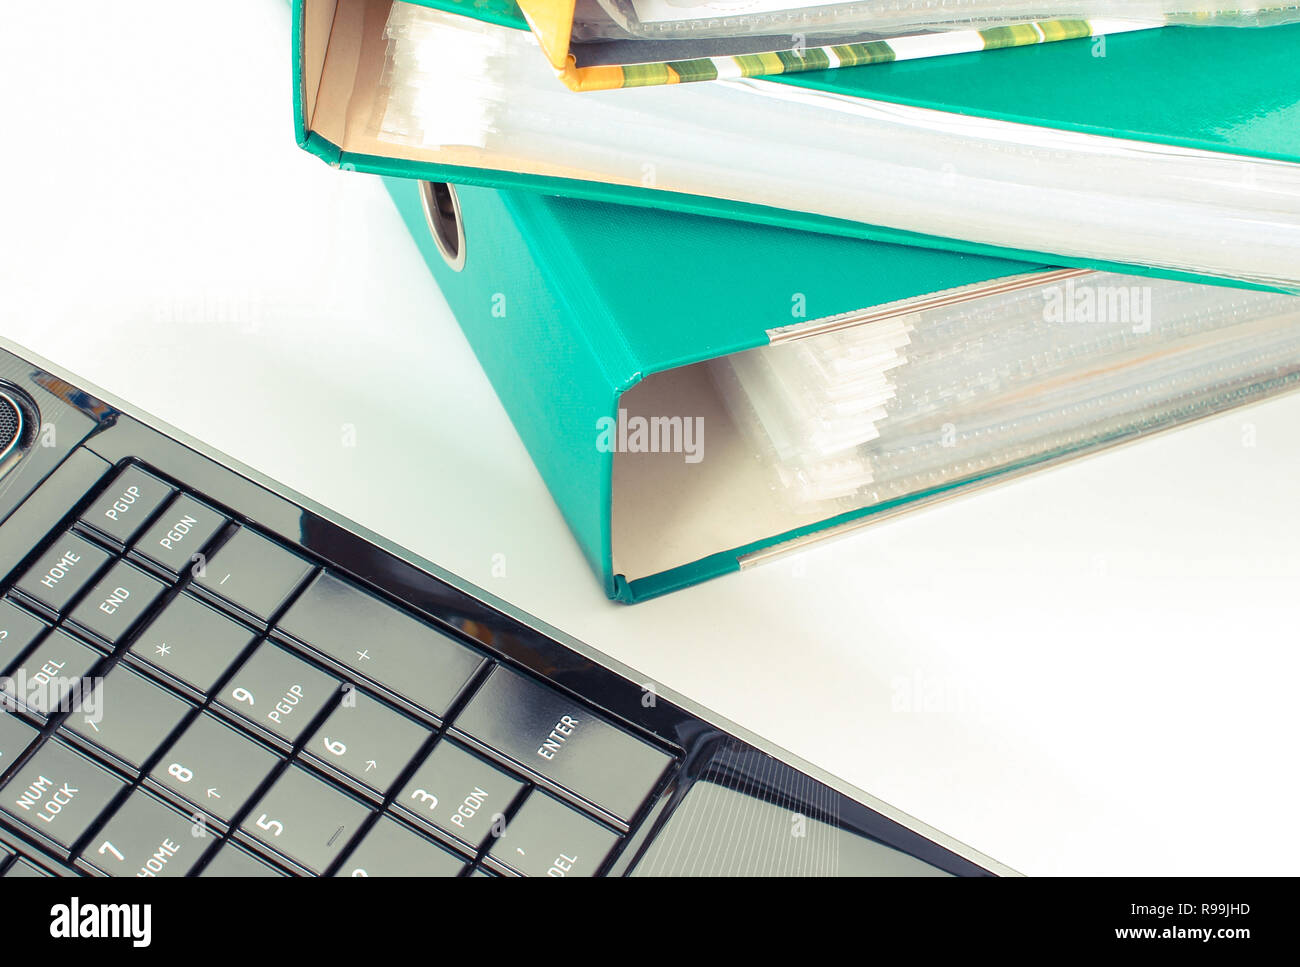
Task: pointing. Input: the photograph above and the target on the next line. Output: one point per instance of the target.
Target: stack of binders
(747, 273)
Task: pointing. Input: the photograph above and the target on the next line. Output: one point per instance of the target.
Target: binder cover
(1228, 90)
(581, 334)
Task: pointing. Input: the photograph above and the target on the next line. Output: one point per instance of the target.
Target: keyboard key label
(44, 799)
(180, 533)
(554, 742)
(60, 568)
(62, 571)
(52, 678)
(123, 504)
(18, 630)
(113, 606)
(127, 504)
(285, 706)
(562, 866)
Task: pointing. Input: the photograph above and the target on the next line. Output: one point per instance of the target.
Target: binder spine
(522, 304)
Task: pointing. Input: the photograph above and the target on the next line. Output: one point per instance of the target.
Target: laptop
(203, 673)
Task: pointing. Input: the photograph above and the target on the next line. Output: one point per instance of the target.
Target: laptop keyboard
(194, 696)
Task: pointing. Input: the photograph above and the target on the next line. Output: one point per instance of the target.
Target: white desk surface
(1101, 661)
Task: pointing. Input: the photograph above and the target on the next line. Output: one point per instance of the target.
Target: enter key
(556, 737)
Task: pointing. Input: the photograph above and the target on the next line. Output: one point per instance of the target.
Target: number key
(213, 767)
(278, 692)
(145, 838)
(305, 820)
(390, 849)
(459, 793)
(233, 861)
(365, 739)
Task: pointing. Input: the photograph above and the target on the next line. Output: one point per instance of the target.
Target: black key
(49, 679)
(378, 641)
(254, 574)
(147, 839)
(63, 570)
(129, 501)
(556, 737)
(59, 793)
(48, 503)
(233, 861)
(127, 715)
(305, 819)
(214, 767)
(278, 692)
(366, 740)
(459, 793)
(180, 532)
(18, 630)
(192, 642)
(16, 737)
(21, 868)
(547, 838)
(112, 607)
(390, 849)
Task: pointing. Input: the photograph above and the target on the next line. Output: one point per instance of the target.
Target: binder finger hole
(442, 212)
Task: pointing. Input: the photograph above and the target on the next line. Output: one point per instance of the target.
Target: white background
(1093, 671)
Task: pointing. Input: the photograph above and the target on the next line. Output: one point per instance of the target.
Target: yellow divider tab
(552, 22)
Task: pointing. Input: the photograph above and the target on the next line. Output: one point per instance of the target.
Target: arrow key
(366, 741)
(127, 715)
(213, 767)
